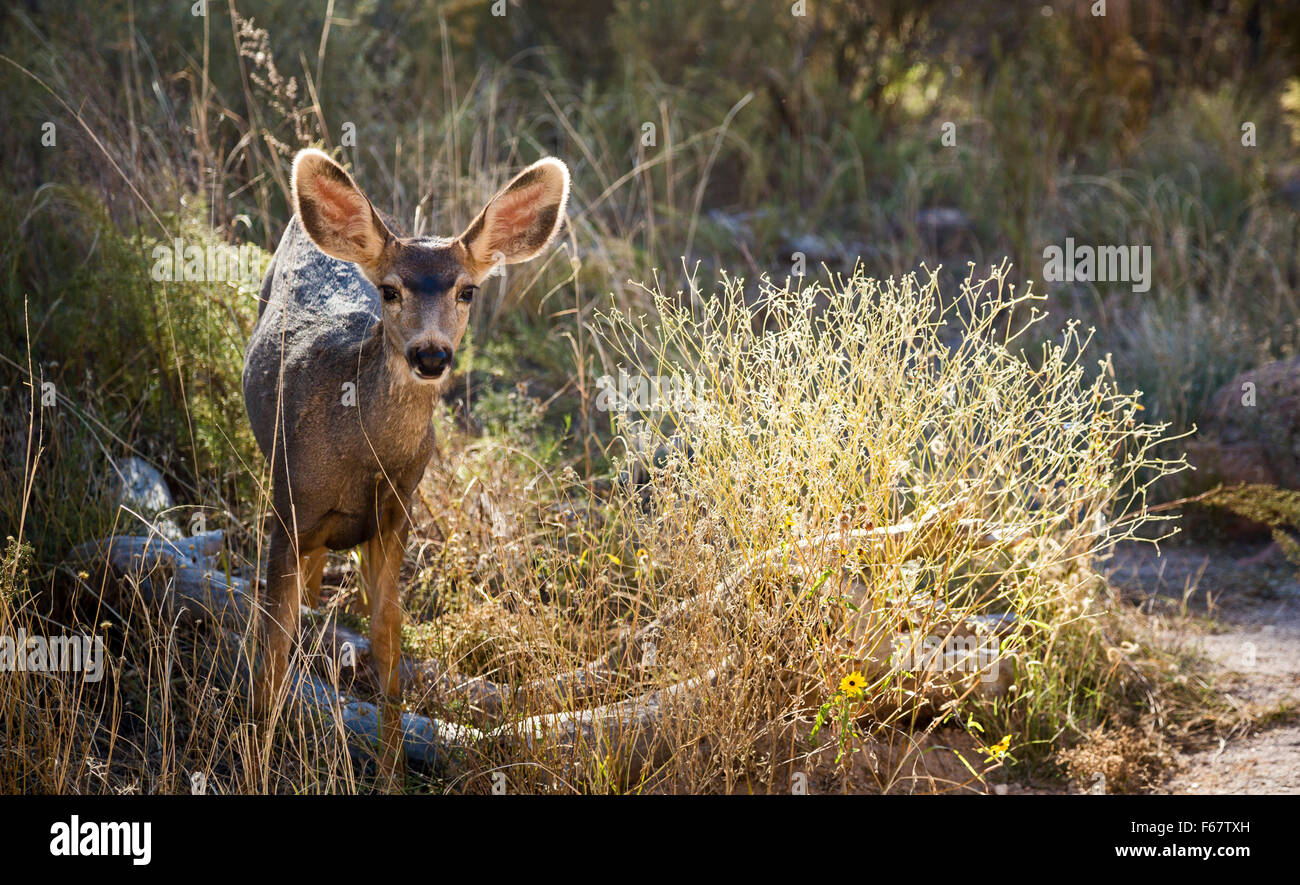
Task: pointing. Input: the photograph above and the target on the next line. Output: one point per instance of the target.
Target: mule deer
(353, 346)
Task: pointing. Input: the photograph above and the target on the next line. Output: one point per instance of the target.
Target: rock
(142, 490)
(814, 248)
(816, 251)
(1250, 432)
(736, 224)
(1286, 182)
(143, 487)
(944, 229)
(1001, 623)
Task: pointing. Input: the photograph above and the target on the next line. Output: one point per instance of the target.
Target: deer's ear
(335, 213)
(522, 219)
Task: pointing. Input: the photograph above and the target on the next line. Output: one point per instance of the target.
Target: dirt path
(1250, 608)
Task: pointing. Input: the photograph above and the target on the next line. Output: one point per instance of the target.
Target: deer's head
(426, 285)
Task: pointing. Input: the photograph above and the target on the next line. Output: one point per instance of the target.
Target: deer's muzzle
(429, 363)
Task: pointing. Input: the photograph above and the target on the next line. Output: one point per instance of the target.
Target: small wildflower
(854, 684)
(998, 750)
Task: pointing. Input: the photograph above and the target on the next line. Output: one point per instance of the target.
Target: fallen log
(629, 731)
(443, 747)
(177, 578)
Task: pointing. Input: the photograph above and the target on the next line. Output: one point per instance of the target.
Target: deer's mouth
(422, 377)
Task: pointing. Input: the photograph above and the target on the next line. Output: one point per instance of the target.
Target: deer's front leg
(313, 573)
(278, 620)
(381, 569)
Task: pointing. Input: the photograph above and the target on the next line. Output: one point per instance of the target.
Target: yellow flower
(998, 750)
(853, 684)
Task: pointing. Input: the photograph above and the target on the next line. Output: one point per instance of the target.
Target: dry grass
(825, 414)
(847, 410)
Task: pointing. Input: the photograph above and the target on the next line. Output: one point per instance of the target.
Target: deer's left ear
(522, 219)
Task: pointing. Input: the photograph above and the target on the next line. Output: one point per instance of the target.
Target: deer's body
(352, 348)
(321, 318)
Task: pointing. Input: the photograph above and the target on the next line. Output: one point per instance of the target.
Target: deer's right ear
(334, 212)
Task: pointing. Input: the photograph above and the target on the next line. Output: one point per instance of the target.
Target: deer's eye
(467, 294)
(390, 293)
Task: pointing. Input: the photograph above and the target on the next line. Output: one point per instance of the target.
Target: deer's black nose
(429, 362)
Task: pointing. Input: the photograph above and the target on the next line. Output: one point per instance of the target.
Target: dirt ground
(1244, 604)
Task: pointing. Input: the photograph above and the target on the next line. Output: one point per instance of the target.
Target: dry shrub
(1122, 759)
(796, 432)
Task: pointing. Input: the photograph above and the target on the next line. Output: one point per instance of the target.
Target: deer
(353, 346)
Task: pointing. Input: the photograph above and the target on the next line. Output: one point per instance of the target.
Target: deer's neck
(395, 408)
